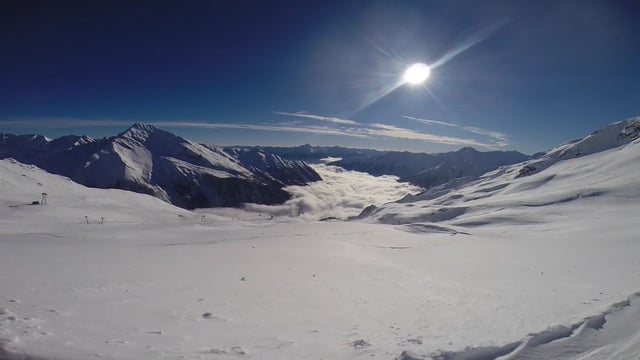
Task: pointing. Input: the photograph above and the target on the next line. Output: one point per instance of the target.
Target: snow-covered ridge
(601, 165)
(153, 161)
(612, 136)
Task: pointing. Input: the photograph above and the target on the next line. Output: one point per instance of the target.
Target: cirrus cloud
(333, 126)
(306, 115)
(501, 139)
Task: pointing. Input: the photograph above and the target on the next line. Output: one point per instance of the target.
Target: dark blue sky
(524, 75)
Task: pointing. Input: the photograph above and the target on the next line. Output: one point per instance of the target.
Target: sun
(417, 73)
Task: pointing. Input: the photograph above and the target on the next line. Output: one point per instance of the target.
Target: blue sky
(523, 75)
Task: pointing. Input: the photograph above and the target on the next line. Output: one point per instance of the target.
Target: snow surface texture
(464, 275)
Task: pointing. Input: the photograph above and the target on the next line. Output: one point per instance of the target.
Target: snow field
(545, 255)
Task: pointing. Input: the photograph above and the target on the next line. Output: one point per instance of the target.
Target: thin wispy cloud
(430, 122)
(48, 123)
(408, 134)
(72, 123)
(489, 133)
(347, 128)
(502, 139)
(382, 130)
(306, 115)
(263, 127)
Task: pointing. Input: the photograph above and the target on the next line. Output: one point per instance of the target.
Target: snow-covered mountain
(422, 169)
(265, 164)
(149, 160)
(428, 170)
(600, 166)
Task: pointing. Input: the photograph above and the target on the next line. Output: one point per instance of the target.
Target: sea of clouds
(340, 194)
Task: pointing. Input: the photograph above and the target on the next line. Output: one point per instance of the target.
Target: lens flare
(417, 73)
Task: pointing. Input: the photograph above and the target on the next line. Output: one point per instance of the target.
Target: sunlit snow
(525, 266)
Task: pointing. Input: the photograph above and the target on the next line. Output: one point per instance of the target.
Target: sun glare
(417, 73)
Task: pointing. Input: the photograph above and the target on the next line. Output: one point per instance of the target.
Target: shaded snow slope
(159, 282)
(152, 161)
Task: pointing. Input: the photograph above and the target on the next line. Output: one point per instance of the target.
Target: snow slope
(537, 267)
(597, 170)
(615, 135)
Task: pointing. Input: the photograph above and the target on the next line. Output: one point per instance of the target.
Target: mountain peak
(468, 149)
(142, 127)
(139, 131)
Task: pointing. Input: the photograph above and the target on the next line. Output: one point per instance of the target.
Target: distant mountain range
(422, 169)
(149, 160)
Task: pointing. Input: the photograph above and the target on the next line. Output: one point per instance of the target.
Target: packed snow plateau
(530, 267)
